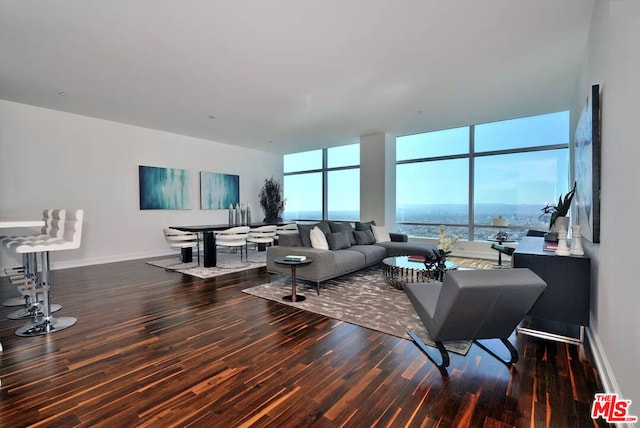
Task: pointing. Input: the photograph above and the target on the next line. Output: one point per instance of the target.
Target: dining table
(208, 232)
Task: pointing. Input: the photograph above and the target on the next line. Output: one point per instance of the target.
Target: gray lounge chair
(474, 305)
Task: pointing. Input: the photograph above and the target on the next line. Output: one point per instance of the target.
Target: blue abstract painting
(165, 188)
(218, 191)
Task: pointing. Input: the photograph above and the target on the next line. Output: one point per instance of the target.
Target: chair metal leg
(513, 352)
(441, 362)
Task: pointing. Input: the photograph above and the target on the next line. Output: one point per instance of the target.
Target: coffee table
(400, 270)
(293, 263)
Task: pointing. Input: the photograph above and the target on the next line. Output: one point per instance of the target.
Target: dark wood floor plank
(157, 348)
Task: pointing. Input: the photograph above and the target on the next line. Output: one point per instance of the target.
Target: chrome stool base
(15, 301)
(45, 326)
(26, 313)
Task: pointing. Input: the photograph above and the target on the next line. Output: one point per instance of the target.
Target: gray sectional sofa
(350, 249)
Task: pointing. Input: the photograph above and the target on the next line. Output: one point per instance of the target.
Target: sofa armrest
(398, 237)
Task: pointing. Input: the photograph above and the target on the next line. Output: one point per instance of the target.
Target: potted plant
(561, 209)
(272, 200)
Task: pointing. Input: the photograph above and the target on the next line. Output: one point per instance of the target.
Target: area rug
(362, 298)
(226, 263)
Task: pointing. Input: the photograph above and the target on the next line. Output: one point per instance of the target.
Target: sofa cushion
(348, 261)
(380, 233)
(318, 239)
(290, 240)
(338, 226)
(372, 253)
(364, 237)
(339, 240)
(365, 226)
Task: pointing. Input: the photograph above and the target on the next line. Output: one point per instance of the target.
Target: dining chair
(185, 241)
(285, 229)
(234, 237)
(262, 235)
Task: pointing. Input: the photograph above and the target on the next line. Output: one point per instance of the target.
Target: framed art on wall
(587, 164)
(218, 191)
(164, 188)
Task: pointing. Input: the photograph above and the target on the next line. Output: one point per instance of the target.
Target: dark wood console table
(567, 296)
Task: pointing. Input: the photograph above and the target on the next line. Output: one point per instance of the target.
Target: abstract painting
(165, 188)
(218, 191)
(587, 161)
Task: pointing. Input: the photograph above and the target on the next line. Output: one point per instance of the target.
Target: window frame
(471, 156)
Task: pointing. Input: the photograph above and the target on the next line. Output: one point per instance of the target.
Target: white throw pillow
(381, 234)
(318, 240)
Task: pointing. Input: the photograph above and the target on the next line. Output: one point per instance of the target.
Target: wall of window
(464, 177)
(323, 184)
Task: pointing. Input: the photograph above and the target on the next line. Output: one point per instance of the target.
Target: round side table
(293, 263)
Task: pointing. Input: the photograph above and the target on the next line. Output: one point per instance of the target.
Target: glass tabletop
(406, 263)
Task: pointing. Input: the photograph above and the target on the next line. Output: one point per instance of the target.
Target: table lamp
(500, 222)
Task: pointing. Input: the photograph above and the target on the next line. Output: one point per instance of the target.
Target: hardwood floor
(156, 348)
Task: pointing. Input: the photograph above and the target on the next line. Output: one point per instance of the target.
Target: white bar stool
(70, 240)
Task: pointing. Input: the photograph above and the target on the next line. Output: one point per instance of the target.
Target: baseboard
(67, 264)
(605, 372)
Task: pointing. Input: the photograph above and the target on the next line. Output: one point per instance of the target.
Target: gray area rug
(362, 298)
(226, 263)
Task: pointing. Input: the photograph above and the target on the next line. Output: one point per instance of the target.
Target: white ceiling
(292, 75)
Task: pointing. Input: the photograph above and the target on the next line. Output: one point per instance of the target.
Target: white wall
(52, 159)
(612, 60)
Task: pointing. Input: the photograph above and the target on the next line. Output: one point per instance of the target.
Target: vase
(441, 268)
(563, 249)
(560, 223)
(576, 241)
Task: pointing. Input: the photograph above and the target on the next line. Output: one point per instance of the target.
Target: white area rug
(227, 263)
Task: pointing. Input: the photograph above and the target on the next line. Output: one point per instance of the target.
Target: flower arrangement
(446, 242)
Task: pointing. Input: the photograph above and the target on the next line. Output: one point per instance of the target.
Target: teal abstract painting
(218, 191)
(165, 188)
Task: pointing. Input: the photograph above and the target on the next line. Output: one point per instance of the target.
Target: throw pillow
(339, 226)
(304, 230)
(318, 239)
(364, 237)
(365, 226)
(339, 240)
(381, 234)
(324, 227)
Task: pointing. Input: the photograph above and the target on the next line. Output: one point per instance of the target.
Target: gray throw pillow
(304, 230)
(339, 226)
(364, 237)
(365, 226)
(338, 240)
(324, 227)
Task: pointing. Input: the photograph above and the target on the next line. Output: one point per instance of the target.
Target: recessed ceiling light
(62, 94)
(211, 116)
(420, 112)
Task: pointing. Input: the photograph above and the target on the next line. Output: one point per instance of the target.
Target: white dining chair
(262, 235)
(234, 237)
(185, 241)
